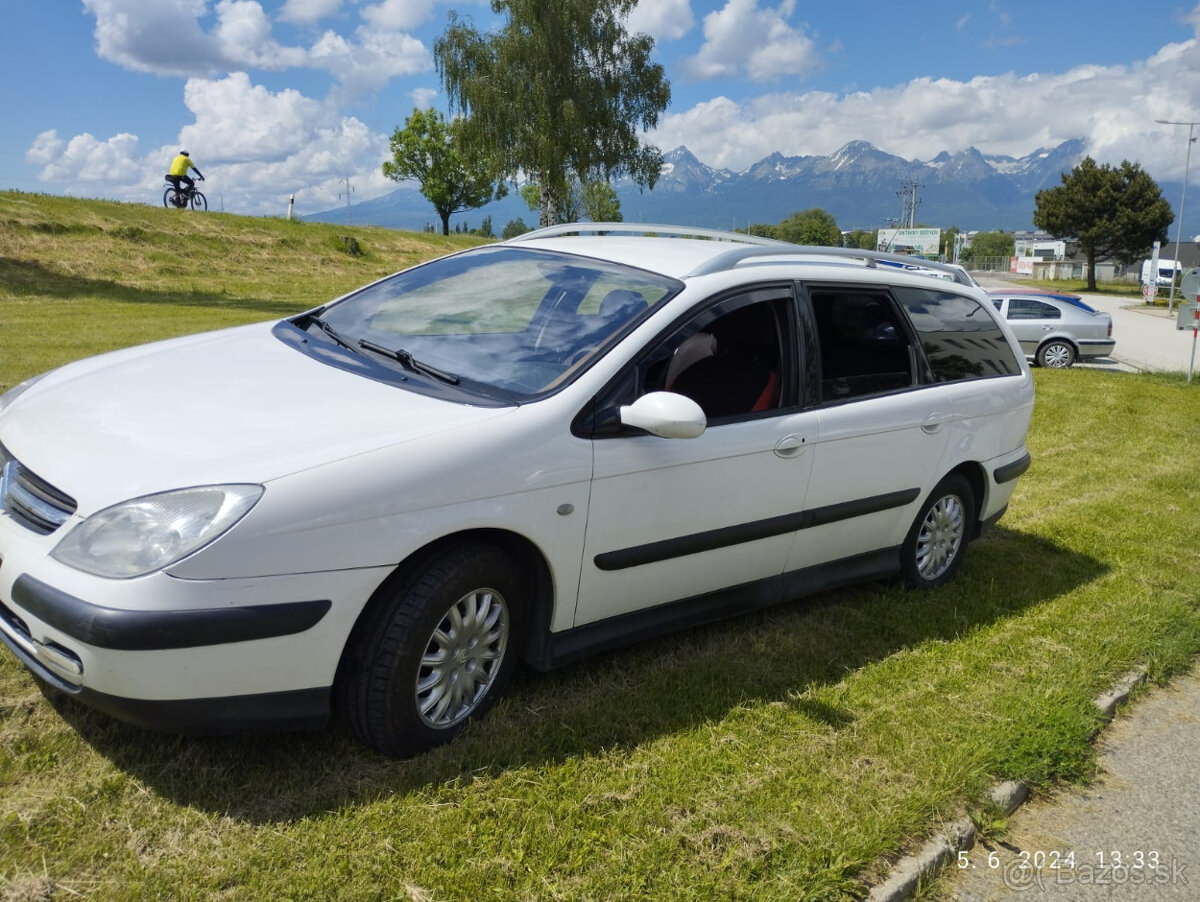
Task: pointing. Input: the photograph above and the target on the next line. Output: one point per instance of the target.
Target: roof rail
(648, 229)
(871, 259)
(746, 247)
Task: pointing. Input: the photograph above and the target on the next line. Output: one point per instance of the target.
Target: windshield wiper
(406, 359)
(338, 337)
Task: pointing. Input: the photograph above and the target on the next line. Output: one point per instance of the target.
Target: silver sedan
(1055, 329)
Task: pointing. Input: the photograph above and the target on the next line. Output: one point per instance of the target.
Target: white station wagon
(529, 451)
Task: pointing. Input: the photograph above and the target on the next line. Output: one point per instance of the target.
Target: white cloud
(308, 12)
(164, 37)
(398, 15)
(423, 98)
(663, 20)
(236, 120)
(243, 33)
(373, 62)
(1112, 107)
(86, 160)
(741, 39)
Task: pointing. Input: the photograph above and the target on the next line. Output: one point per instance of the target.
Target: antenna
(346, 194)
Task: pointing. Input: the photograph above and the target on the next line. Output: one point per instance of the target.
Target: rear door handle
(935, 421)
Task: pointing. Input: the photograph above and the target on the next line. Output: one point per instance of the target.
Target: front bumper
(189, 656)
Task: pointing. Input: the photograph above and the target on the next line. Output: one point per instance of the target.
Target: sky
(297, 98)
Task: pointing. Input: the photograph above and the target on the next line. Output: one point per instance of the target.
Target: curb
(907, 873)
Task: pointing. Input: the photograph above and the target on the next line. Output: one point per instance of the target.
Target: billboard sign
(919, 242)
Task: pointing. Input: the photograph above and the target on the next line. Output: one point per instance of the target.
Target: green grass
(780, 756)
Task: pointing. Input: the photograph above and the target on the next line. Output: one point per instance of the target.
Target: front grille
(29, 499)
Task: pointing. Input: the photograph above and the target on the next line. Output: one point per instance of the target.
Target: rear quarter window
(960, 338)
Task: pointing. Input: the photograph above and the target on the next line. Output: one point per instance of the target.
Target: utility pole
(346, 194)
(908, 203)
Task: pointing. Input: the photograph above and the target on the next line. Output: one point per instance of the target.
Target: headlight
(146, 534)
(16, 391)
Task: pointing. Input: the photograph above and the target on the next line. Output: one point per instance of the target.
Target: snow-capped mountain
(859, 184)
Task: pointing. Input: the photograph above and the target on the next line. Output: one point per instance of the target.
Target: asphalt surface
(1134, 834)
(1147, 337)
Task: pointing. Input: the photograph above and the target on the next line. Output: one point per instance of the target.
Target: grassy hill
(82, 276)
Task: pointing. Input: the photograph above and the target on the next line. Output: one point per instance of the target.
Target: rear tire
(435, 650)
(171, 198)
(937, 542)
(1056, 354)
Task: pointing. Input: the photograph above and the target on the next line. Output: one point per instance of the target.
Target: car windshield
(506, 322)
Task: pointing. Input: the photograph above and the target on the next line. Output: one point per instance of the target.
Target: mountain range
(859, 185)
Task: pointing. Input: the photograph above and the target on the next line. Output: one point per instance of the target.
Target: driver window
(730, 364)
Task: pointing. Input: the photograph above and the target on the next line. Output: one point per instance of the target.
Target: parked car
(1055, 329)
(525, 452)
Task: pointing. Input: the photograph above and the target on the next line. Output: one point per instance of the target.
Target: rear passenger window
(958, 335)
(1020, 308)
(863, 345)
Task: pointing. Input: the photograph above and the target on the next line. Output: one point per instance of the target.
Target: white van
(1167, 270)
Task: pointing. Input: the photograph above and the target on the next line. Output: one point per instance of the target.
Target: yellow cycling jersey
(180, 165)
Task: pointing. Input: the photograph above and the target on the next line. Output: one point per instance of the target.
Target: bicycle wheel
(171, 198)
(199, 201)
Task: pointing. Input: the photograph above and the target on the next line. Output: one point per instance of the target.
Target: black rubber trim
(699, 542)
(268, 712)
(1014, 470)
(592, 638)
(123, 630)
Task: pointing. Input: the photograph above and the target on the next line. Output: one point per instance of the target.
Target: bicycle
(182, 198)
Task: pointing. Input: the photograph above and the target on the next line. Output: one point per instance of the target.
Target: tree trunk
(445, 221)
(548, 208)
(1091, 269)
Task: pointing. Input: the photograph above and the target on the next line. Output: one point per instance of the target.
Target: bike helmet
(184, 153)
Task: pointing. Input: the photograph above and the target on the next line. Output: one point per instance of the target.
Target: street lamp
(1183, 200)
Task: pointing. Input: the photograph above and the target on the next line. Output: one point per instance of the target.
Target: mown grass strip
(780, 756)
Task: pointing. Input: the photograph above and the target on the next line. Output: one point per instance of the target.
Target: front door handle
(790, 446)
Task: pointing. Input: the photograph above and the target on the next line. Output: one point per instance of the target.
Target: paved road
(1130, 837)
(1147, 337)
(1143, 812)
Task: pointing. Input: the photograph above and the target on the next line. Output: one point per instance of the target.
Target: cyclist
(179, 172)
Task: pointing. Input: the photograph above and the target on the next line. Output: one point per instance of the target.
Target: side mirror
(666, 415)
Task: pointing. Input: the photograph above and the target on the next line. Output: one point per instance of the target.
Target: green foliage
(862, 239)
(1113, 211)
(815, 226)
(990, 244)
(427, 149)
(949, 239)
(596, 199)
(761, 230)
(513, 228)
(560, 88)
(600, 201)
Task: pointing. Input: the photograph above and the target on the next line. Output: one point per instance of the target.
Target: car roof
(682, 252)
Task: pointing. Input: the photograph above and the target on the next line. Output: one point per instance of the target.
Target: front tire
(937, 542)
(435, 651)
(1056, 355)
(199, 201)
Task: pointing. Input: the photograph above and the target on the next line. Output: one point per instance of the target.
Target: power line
(346, 194)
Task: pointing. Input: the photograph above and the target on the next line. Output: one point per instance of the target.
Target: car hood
(232, 406)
